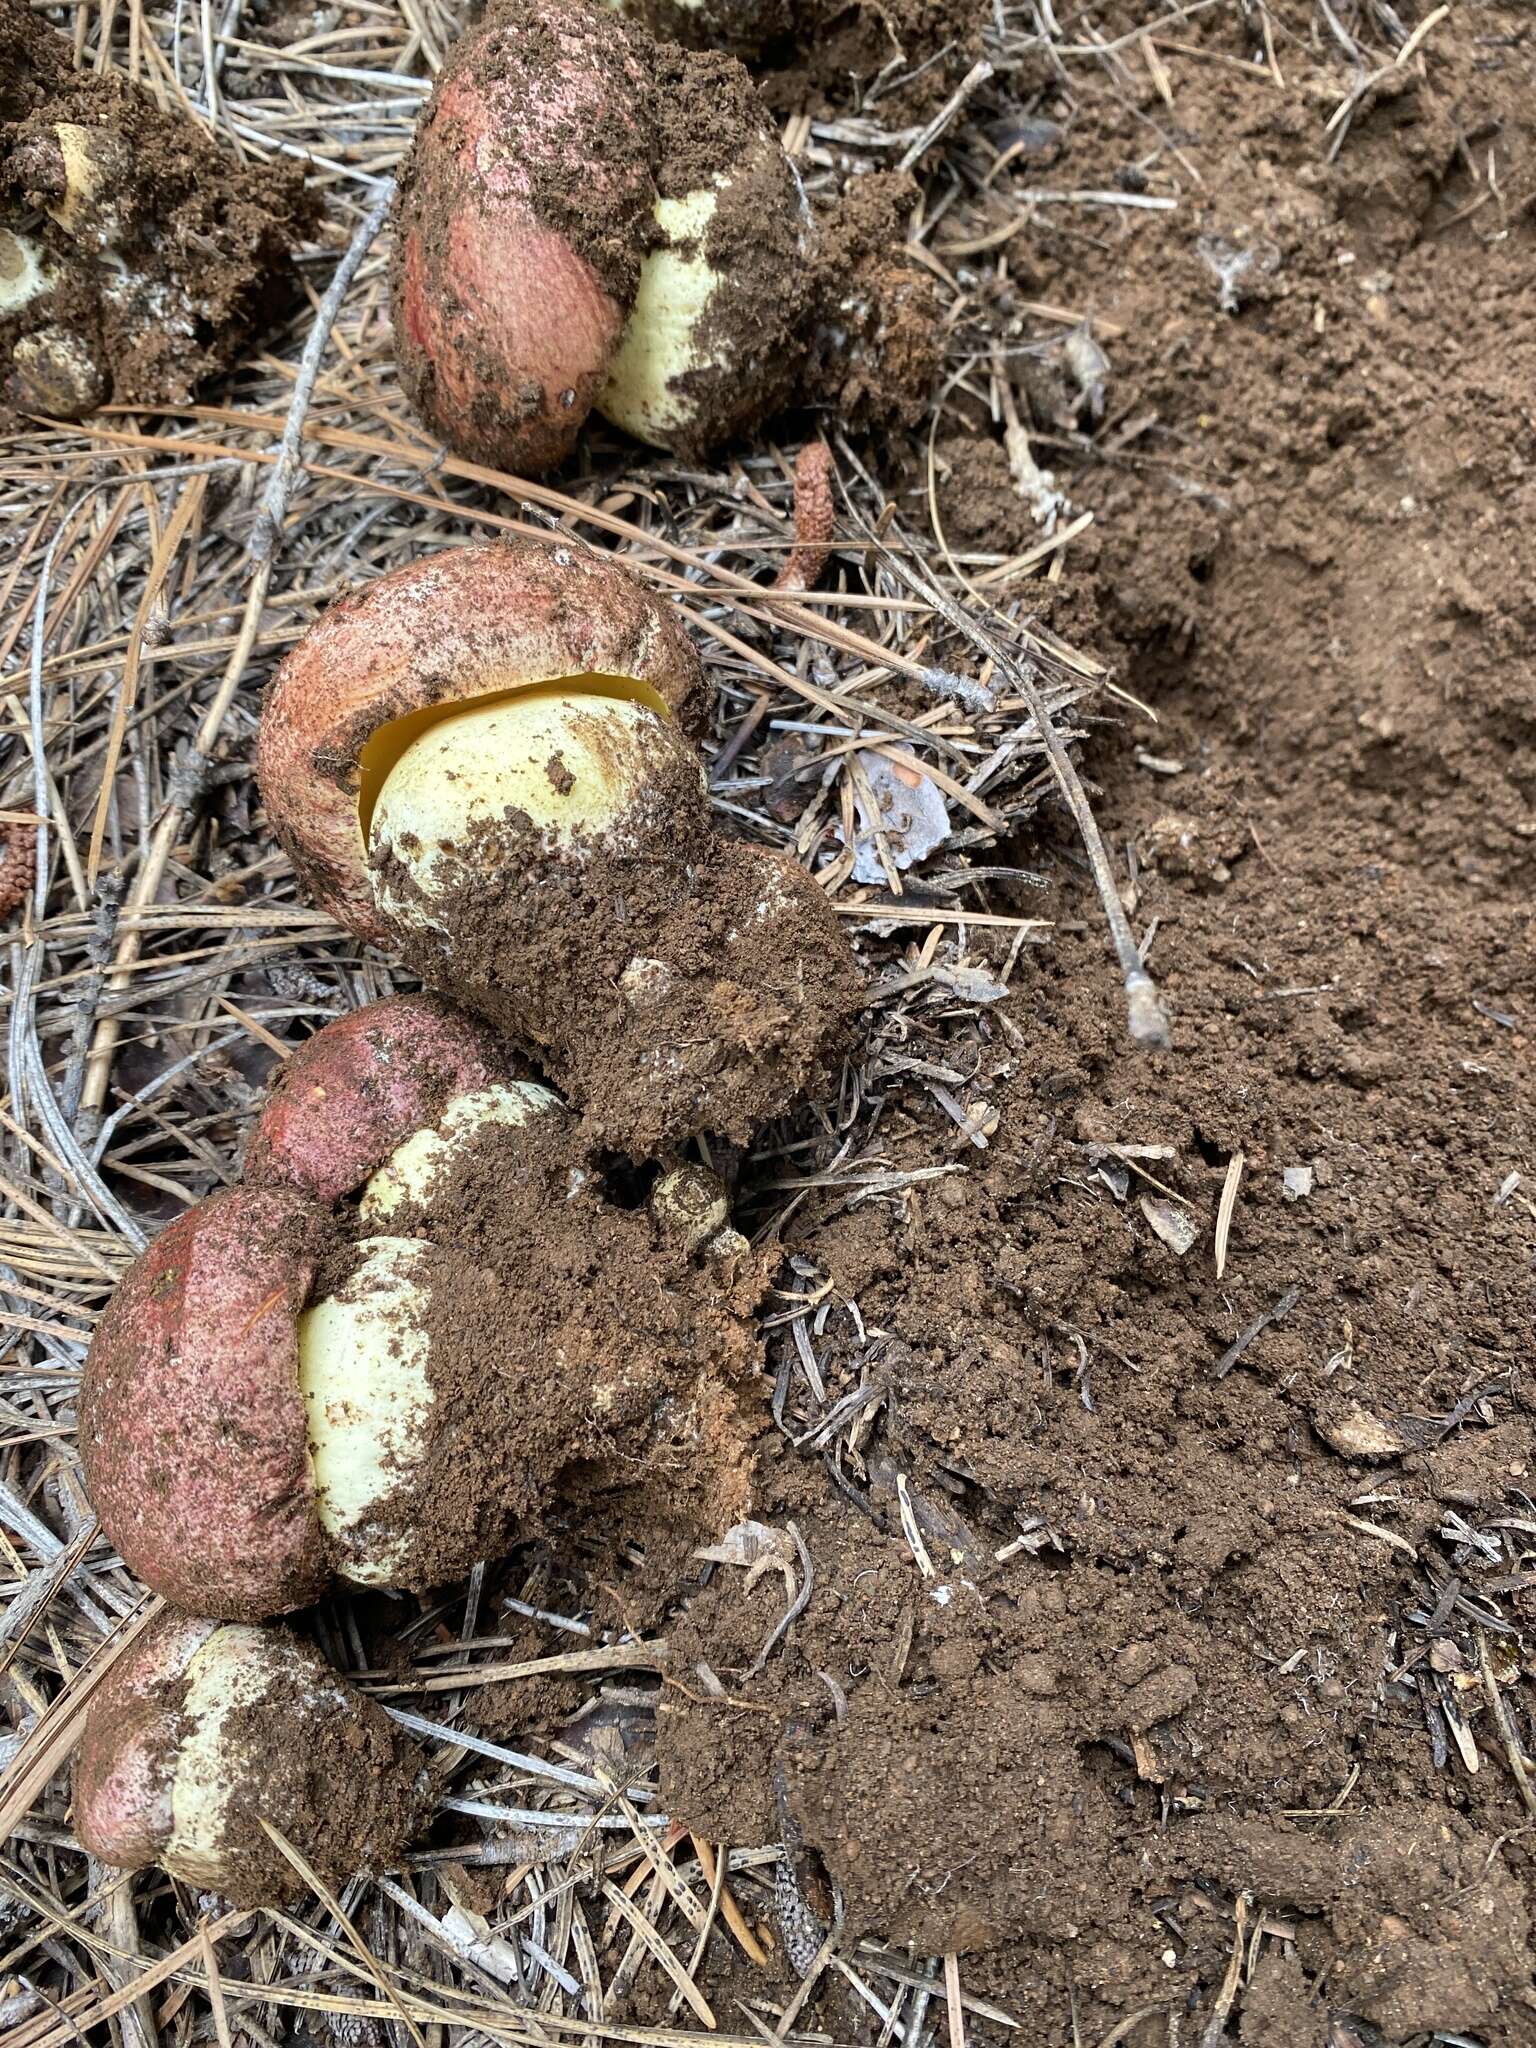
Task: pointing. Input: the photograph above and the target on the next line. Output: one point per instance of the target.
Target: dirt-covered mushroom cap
(203, 1730)
(192, 1429)
(365, 1084)
(124, 1766)
(263, 1405)
(467, 625)
(521, 222)
(590, 217)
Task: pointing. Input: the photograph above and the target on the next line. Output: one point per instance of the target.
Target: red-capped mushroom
(203, 1730)
(588, 218)
(481, 761)
(196, 1452)
(512, 277)
(364, 1084)
(384, 1384)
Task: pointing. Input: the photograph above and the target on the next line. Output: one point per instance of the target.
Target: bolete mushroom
(202, 1730)
(588, 218)
(389, 1349)
(482, 761)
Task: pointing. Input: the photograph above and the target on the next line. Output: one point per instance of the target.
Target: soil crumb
(136, 260)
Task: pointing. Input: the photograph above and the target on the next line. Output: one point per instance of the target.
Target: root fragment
(813, 519)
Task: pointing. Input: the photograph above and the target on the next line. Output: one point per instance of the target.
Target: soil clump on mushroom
(642, 985)
(166, 257)
(575, 1353)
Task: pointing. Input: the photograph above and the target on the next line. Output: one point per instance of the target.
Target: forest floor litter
(1129, 1638)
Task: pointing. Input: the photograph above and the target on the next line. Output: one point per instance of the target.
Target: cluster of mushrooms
(486, 764)
(482, 762)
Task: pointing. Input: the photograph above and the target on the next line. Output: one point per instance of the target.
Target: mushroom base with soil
(425, 1327)
(202, 1732)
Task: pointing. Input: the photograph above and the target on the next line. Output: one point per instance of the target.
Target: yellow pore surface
(367, 1402)
(662, 338)
(226, 1674)
(574, 765)
(236, 1668)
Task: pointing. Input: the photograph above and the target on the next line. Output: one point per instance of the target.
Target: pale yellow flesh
(574, 765)
(385, 746)
(83, 173)
(367, 1401)
(411, 1169)
(662, 338)
(24, 272)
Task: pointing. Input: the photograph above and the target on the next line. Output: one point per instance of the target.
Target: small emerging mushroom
(201, 1731)
(483, 762)
(385, 1352)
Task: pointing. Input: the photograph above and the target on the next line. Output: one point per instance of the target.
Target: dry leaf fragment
(913, 817)
(755, 1549)
(1354, 1433)
(1175, 1226)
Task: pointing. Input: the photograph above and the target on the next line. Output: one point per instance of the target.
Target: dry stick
(123, 1925)
(261, 546)
(978, 75)
(1148, 1024)
(1500, 1713)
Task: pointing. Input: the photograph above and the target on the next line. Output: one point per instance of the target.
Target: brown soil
(327, 1768)
(821, 52)
(877, 342)
(1153, 1611)
(166, 273)
(838, 47)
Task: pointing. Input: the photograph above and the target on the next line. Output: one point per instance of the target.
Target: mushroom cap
(521, 219)
(363, 1085)
(192, 1428)
(204, 1730)
(466, 623)
(127, 1755)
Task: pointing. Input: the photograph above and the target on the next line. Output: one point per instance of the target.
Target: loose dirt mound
(1155, 1612)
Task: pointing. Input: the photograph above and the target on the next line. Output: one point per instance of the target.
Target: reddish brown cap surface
(127, 1754)
(524, 209)
(362, 1085)
(192, 1427)
(467, 623)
